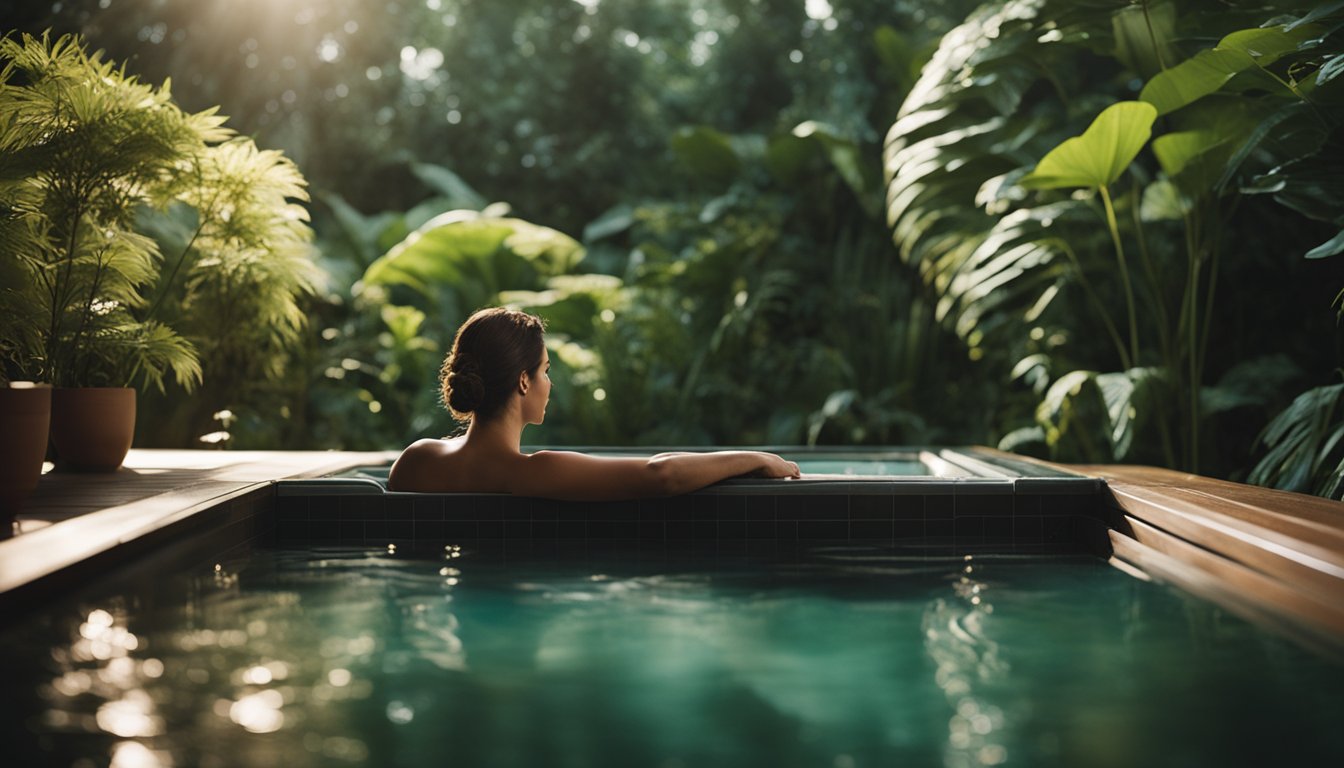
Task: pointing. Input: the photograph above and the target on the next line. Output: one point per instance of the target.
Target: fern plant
(82, 146)
(140, 240)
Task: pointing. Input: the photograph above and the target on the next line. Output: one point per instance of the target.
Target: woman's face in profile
(539, 391)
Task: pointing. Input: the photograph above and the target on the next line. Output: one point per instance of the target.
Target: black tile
(1056, 529)
(517, 529)
(291, 531)
(545, 529)
(732, 508)
(982, 505)
(938, 507)
(569, 528)
(399, 508)
(872, 508)
(291, 508)
(544, 510)
(1027, 529)
(652, 530)
(1027, 505)
(454, 530)
(431, 507)
(320, 509)
(459, 508)
(652, 510)
(762, 548)
(706, 506)
(489, 507)
(516, 508)
(350, 530)
(999, 528)
(680, 508)
(870, 529)
(760, 508)
(322, 533)
(969, 527)
(375, 531)
(680, 530)
(786, 530)
(760, 529)
(826, 508)
(612, 510)
(706, 530)
(1052, 504)
(732, 530)
(398, 530)
(909, 506)
(914, 530)
(789, 507)
(732, 547)
(490, 529)
(429, 530)
(823, 529)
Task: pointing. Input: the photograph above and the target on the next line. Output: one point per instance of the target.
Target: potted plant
(83, 147)
(25, 407)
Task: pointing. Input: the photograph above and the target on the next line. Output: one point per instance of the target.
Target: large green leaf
(1101, 154)
(1301, 444)
(1266, 45)
(706, 153)
(1075, 418)
(1331, 247)
(459, 193)
(460, 262)
(1194, 78)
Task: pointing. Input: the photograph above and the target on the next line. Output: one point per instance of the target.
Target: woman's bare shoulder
(423, 465)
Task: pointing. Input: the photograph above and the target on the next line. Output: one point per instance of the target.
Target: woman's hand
(776, 466)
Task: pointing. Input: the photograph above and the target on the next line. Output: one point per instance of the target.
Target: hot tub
(945, 501)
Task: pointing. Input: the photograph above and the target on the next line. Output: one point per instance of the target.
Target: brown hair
(490, 350)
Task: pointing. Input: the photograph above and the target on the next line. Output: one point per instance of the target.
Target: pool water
(906, 465)
(857, 658)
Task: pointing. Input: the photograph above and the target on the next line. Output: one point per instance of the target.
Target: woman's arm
(580, 477)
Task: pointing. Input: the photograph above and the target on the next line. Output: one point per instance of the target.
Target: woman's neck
(505, 431)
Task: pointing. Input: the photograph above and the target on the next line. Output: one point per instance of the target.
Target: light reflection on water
(380, 657)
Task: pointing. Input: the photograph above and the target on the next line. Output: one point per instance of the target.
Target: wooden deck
(1264, 554)
(74, 517)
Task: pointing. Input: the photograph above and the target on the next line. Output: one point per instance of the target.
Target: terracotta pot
(92, 427)
(25, 412)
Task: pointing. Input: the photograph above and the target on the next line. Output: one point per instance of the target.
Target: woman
(496, 378)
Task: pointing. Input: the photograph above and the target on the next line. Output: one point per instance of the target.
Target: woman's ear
(522, 383)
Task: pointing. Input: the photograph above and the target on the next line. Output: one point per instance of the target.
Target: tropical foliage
(100, 177)
(1193, 127)
(1096, 230)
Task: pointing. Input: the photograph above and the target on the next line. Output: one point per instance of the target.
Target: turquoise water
(851, 465)
(380, 658)
(886, 468)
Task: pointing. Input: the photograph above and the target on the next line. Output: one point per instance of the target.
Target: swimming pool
(311, 656)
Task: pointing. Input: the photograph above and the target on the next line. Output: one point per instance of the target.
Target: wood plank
(1285, 557)
(1242, 591)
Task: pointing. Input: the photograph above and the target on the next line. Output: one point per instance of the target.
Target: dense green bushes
(692, 193)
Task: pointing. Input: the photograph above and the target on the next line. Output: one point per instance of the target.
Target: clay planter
(92, 427)
(26, 412)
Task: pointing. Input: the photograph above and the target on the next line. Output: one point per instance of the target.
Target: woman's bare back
(450, 466)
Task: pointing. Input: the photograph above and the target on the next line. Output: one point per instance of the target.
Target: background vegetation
(760, 221)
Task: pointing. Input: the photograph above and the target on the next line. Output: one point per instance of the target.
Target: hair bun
(466, 388)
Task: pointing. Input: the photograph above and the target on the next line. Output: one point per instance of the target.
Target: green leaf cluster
(1048, 208)
(140, 240)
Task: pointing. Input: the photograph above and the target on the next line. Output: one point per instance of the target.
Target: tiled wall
(957, 520)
